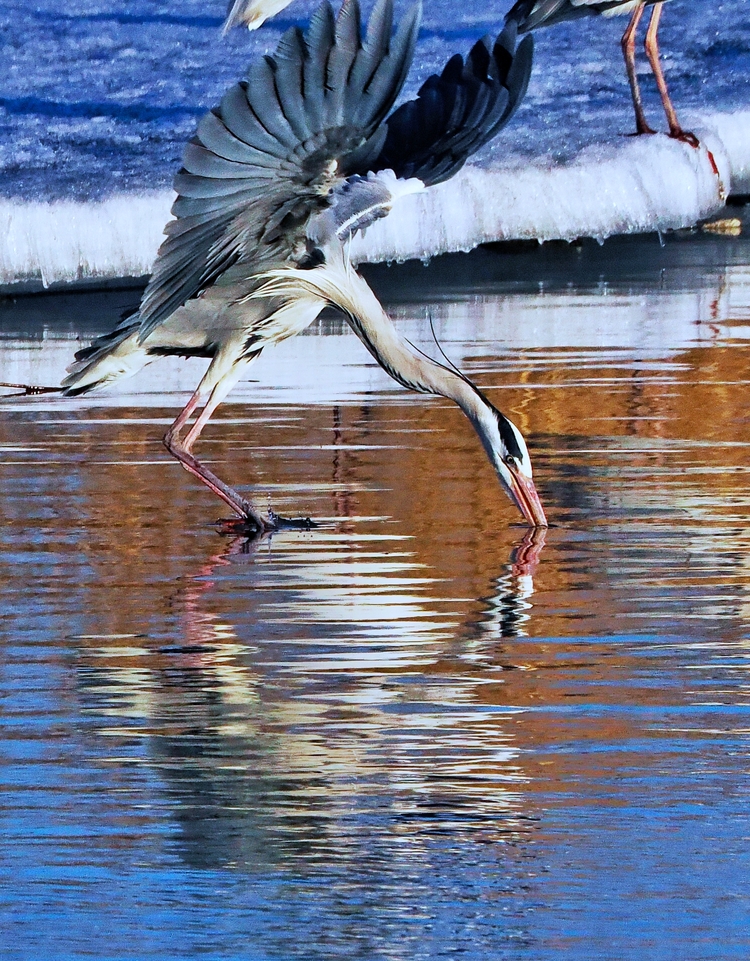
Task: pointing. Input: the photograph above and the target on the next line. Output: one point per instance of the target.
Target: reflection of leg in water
(202, 631)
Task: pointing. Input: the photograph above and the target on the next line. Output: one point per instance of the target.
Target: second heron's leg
(652, 52)
(628, 52)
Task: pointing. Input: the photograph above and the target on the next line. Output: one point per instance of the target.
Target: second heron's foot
(643, 130)
(685, 136)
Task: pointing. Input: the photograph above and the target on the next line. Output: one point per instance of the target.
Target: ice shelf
(628, 185)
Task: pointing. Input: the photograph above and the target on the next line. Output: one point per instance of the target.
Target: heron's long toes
(291, 523)
(643, 130)
(685, 136)
(245, 526)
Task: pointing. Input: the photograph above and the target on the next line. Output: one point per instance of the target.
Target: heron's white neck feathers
(337, 284)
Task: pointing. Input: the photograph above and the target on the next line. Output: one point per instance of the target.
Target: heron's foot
(254, 525)
(240, 527)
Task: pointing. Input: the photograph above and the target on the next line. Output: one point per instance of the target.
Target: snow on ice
(633, 186)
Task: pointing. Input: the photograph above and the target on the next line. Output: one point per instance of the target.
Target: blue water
(98, 98)
(410, 733)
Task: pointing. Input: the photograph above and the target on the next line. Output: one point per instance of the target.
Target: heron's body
(531, 14)
(278, 178)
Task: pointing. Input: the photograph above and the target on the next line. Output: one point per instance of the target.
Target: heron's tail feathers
(108, 358)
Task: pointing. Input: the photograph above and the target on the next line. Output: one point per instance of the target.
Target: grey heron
(296, 158)
(530, 14)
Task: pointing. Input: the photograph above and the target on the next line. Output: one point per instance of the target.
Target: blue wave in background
(102, 98)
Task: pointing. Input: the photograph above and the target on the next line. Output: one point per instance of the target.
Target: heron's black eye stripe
(508, 437)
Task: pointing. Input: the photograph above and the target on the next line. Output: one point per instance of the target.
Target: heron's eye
(510, 460)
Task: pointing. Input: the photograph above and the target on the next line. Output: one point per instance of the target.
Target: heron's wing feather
(544, 11)
(458, 111)
(270, 153)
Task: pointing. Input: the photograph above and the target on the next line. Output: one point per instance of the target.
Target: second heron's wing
(458, 110)
(270, 153)
(530, 14)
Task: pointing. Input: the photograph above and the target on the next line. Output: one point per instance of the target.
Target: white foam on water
(630, 185)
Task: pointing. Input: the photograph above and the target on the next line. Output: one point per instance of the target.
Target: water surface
(396, 736)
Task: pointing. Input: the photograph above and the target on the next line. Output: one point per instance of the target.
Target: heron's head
(509, 455)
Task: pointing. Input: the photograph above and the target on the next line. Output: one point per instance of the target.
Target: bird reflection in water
(307, 706)
(506, 611)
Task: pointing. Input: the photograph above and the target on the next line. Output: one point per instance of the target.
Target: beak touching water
(524, 494)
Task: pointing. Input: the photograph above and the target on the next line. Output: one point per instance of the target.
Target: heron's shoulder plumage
(269, 155)
(356, 203)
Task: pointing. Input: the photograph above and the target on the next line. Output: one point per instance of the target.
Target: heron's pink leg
(652, 52)
(628, 52)
(182, 450)
(186, 413)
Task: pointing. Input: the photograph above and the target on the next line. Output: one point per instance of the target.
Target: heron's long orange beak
(527, 499)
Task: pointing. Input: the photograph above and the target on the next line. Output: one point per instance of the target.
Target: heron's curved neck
(395, 355)
(338, 284)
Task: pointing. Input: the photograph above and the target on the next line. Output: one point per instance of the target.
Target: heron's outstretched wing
(269, 154)
(459, 110)
(430, 138)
